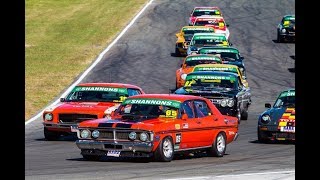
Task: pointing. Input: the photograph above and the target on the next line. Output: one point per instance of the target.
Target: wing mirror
(244, 77)
(62, 99)
(227, 24)
(184, 116)
(267, 105)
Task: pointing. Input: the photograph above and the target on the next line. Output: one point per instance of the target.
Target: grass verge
(63, 37)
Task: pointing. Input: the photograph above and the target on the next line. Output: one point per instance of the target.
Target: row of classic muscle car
(203, 114)
(212, 68)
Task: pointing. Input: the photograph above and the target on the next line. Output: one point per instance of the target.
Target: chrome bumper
(60, 125)
(236, 137)
(115, 145)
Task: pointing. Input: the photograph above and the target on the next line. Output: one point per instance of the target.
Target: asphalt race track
(144, 56)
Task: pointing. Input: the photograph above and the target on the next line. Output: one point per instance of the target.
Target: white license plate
(114, 153)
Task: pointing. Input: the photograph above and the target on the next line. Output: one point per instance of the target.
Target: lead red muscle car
(158, 126)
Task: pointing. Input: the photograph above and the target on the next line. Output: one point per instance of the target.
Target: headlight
(223, 103)
(265, 119)
(48, 117)
(85, 133)
(132, 136)
(283, 30)
(230, 102)
(143, 136)
(95, 134)
(183, 76)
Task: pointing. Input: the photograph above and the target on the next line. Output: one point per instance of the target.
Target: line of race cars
(202, 114)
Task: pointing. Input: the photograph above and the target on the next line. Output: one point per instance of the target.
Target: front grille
(106, 134)
(76, 118)
(114, 134)
(122, 135)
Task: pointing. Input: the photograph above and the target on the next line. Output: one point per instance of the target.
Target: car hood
(202, 92)
(141, 123)
(283, 113)
(92, 107)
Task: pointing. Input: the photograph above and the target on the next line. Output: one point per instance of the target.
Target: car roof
(210, 57)
(214, 73)
(217, 65)
(206, 7)
(209, 17)
(116, 85)
(194, 27)
(219, 47)
(177, 97)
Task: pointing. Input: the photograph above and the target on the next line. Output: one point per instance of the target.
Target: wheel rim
(167, 148)
(221, 144)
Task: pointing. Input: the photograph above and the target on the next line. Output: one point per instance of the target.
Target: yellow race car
(185, 35)
(223, 68)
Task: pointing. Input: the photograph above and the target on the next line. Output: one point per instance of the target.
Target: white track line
(232, 175)
(95, 62)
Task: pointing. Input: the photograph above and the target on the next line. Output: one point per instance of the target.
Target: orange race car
(192, 60)
(159, 126)
(86, 101)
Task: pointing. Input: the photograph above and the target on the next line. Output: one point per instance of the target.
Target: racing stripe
(122, 125)
(105, 124)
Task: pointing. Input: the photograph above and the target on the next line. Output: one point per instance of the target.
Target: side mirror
(244, 77)
(181, 65)
(241, 57)
(230, 44)
(184, 116)
(62, 99)
(227, 25)
(267, 105)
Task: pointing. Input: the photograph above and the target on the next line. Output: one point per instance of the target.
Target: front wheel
(219, 145)
(279, 39)
(260, 138)
(164, 151)
(244, 114)
(177, 52)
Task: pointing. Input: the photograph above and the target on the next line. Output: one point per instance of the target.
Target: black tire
(50, 135)
(238, 116)
(219, 145)
(91, 157)
(165, 150)
(244, 114)
(260, 138)
(177, 52)
(279, 38)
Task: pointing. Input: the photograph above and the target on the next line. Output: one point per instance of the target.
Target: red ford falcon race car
(158, 126)
(203, 11)
(86, 101)
(192, 60)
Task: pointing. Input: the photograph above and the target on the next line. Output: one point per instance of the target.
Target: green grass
(63, 37)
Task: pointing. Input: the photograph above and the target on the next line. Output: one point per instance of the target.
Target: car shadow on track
(146, 160)
(274, 142)
(285, 42)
